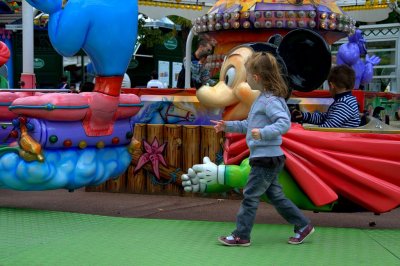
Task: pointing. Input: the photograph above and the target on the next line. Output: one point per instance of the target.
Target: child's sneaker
(233, 241)
(301, 235)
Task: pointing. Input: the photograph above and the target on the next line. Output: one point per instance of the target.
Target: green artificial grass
(34, 237)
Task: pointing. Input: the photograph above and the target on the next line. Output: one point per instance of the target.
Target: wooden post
(136, 183)
(191, 146)
(173, 137)
(154, 131)
(117, 184)
(210, 143)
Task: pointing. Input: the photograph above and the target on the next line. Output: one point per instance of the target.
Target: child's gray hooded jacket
(271, 115)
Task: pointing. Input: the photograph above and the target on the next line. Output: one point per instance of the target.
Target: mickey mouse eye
(230, 76)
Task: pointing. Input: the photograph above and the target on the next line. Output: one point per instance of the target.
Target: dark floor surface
(178, 208)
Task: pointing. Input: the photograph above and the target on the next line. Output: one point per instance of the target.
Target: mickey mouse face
(305, 60)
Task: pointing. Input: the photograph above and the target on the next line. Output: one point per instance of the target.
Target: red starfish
(154, 155)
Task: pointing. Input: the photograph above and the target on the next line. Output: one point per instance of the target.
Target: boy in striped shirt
(343, 112)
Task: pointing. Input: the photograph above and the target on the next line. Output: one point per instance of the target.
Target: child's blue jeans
(265, 180)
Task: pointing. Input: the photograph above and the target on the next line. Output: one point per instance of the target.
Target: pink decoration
(154, 155)
(4, 53)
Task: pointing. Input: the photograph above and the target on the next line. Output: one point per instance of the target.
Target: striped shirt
(343, 112)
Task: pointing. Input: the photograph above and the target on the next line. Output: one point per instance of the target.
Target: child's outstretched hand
(219, 125)
(255, 133)
(296, 116)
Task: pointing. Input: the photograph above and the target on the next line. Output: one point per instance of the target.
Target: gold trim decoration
(365, 7)
(165, 4)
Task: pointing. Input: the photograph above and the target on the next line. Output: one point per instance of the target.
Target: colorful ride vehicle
(326, 169)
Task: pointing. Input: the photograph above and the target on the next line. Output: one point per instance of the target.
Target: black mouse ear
(307, 58)
(275, 39)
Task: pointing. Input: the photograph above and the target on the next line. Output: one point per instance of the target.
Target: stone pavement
(178, 208)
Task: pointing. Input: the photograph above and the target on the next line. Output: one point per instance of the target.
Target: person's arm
(279, 116)
(230, 126)
(205, 77)
(314, 118)
(339, 116)
(236, 126)
(195, 72)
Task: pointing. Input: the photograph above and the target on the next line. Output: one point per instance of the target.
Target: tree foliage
(151, 37)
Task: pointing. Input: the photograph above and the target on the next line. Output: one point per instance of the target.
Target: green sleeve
(236, 176)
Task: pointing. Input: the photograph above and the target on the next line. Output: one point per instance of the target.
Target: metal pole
(28, 79)
(83, 69)
(188, 58)
(27, 38)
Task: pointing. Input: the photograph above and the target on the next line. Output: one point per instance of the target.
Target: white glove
(201, 175)
(190, 182)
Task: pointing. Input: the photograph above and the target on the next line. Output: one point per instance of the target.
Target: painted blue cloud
(68, 169)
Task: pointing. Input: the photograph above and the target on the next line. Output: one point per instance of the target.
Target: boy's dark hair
(342, 76)
(154, 75)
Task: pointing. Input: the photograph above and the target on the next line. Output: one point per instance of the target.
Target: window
(385, 72)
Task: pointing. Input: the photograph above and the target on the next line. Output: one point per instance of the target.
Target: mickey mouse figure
(305, 61)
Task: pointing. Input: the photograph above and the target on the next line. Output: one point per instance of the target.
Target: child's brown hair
(342, 76)
(266, 66)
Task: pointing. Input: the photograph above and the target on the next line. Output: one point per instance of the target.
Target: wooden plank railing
(186, 145)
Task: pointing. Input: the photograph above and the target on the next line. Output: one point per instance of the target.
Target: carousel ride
(326, 169)
(63, 140)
